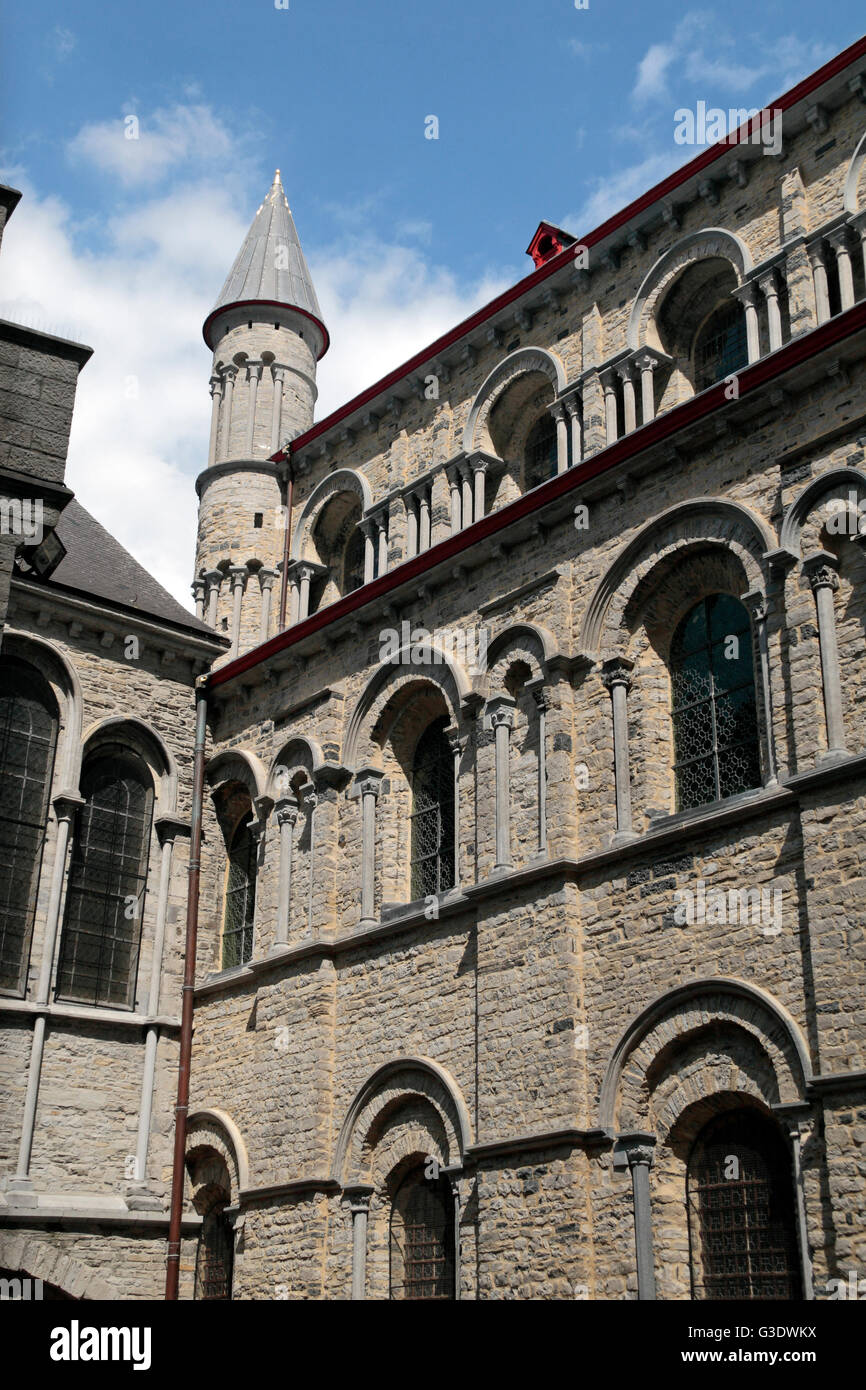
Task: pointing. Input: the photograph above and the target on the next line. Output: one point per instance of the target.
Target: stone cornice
(84, 1013)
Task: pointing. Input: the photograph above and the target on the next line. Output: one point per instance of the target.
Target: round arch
(850, 199)
(237, 765)
(396, 1080)
(438, 668)
(342, 480)
(299, 753)
(64, 681)
(814, 492)
(146, 740)
(40, 1260)
(519, 363)
(693, 1004)
(713, 519)
(706, 244)
(210, 1127)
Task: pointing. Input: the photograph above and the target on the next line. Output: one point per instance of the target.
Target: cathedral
(509, 782)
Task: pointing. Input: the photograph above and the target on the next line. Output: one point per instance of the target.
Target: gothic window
(432, 813)
(422, 1238)
(213, 1265)
(28, 737)
(107, 877)
(715, 726)
(240, 897)
(541, 451)
(720, 346)
(742, 1234)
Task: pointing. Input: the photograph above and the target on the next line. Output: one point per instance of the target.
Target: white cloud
(610, 193)
(652, 72)
(141, 147)
(141, 422)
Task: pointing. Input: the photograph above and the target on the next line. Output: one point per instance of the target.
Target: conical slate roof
(270, 267)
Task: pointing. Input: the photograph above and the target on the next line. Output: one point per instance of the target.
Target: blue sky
(544, 110)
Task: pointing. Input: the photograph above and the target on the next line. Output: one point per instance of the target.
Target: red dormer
(548, 242)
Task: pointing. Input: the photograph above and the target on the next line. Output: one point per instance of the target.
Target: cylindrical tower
(267, 335)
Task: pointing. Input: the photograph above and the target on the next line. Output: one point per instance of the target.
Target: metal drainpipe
(182, 1108)
(287, 539)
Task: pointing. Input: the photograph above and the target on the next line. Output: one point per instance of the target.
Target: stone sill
(69, 1215)
(82, 1013)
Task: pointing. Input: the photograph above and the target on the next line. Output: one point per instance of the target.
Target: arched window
(28, 739)
(742, 1235)
(541, 452)
(107, 877)
(720, 345)
(716, 750)
(422, 1238)
(214, 1258)
(432, 813)
(353, 562)
(240, 897)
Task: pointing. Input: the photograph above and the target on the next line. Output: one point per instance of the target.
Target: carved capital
(617, 672)
(820, 570)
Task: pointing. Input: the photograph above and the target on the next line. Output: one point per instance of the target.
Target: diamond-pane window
(716, 745)
(107, 878)
(432, 814)
(240, 898)
(28, 738)
(741, 1211)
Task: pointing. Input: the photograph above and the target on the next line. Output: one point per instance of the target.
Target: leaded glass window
(720, 346)
(213, 1266)
(716, 746)
(422, 1239)
(741, 1211)
(240, 897)
(107, 879)
(28, 739)
(541, 452)
(432, 814)
(353, 562)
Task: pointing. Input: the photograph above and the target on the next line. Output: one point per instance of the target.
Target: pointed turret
(270, 267)
(267, 335)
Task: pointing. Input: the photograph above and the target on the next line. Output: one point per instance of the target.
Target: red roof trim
(653, 195)
(768, 368)
(268, 304)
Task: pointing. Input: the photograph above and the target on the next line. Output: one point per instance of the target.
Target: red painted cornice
(663, 427)
(655, 194)
(265, 304)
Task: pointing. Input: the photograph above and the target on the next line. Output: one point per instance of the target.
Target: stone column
(213, 579)
(424, 518)
(238, 581)
(796, 1119)
(266, 584)
(456, 744)
(500, 713)
(820, 570)
(629, 409)
(639, 1151)
(466, 485)
(454, 1179)
(756, 602)
(454, 486)
(369, 550)
(609, 388)
(65, 808)
(479, 474)
(411, 525)
(572, 405)
(769, 290)
(277, 412)
(382, 542)
(294, 599)
(617, 677)
(646, 365)
(198, 587)
(561, 419)
(287, 818)
(216, 395)
(167, 829)
(311, 800)
(859, 225)
(369, 785)
(304, 575)
(748, 297)
(839, 242)
(819, 277)
(229, 375)
(254, 373)
(542, 704)
(359, 1206)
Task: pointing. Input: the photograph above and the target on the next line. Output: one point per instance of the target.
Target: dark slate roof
(97, 566)
(260, 272)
